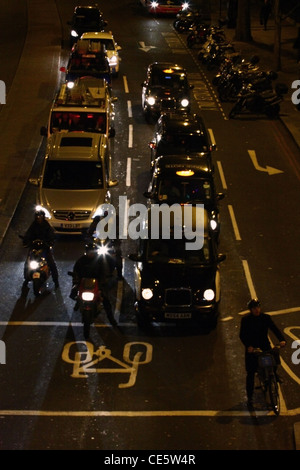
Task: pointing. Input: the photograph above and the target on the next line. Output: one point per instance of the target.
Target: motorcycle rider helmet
(253, 303)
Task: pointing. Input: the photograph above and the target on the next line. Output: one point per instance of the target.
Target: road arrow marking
(268, 169)
(145, 48)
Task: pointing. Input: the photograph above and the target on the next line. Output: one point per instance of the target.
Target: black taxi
(185, 180)
(166, 88)
(173, 283)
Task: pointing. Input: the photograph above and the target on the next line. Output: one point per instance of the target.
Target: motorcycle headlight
(88, 296)
(103, 250)
(213, 224)
(70, 85)
(74, 34)
(147, 294)
(209, 294)
(154, 4)
(185, 102)
(185, 6)
(151, 100)
(33, 265)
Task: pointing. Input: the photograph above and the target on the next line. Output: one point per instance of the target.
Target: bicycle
(266, 372)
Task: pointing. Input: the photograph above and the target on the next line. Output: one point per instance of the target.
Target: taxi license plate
(178, 315)
(71, 225)
(36, 275)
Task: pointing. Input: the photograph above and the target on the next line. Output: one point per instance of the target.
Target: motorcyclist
(90, 265)
(254, 334)
(40, 229)
(116, 261)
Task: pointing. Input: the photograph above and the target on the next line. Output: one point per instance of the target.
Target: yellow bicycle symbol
(84, 362)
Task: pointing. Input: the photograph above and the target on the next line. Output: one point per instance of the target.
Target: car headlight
(185, 102)
(151, 100)
(41, 208)
(147, 294)
(113, 60)
(209, 294)
(74, 34)
(70, 85)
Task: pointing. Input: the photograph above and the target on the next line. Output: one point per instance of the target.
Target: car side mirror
(112, 183)
(220, 196)
(34, 181)
(44, 131)
(221, 257)
(152, 145)
(148, 194)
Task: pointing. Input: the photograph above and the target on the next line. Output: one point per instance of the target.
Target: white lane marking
(234, 223)
(125, 84)
(129, 108)
(128, 172)
(137, 414)
(221, 173)
(130, 136)
(249, 279)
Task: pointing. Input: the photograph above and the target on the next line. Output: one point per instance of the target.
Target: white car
(111, 47)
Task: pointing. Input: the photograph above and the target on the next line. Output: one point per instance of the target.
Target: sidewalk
(27, 105)
(262, 45)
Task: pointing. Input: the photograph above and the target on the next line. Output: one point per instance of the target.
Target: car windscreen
(78, 121)
(86, 16)
(169, 80)
(179, 144)
(73, 175)
(88, 63)
(184, 189)
(174, 252)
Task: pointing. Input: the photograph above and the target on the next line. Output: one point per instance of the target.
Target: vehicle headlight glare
(213, 224)
(33, 264)
(209, 294)
(88, 296)
(74, 34)
(185, 102)
(147, 294)
(41, 208)
(151, 100)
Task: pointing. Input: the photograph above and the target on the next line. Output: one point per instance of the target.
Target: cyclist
(254, 334)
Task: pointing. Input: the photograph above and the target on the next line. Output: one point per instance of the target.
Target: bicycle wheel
(274, 395)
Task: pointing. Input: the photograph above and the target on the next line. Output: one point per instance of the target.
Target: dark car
(83, 63)
(185, 180)
(166, 88)
(85, 18)
(182, 134)
(176, 284)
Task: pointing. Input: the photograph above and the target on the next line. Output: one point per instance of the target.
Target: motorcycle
(259, 102)
(36, 267)
(88, 301)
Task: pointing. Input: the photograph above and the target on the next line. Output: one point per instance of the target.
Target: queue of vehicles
(172, 283)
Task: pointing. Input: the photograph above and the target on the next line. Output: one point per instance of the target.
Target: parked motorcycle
(36, 267)
(259, 102)
(88, 301)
